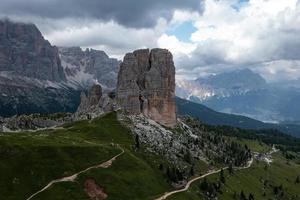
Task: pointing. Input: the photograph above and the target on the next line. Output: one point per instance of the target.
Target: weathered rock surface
(146, 85)
(162, 141)
(32, 79)
(1, 124)
(84, 68)
(189, 142)
(24, 51)
(94, 103)
(33, 121)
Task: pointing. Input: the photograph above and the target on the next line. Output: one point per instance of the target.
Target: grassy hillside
(276, 181)
(30, 160)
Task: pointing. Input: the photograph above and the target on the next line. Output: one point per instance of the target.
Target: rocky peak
(237, 79)
(146, 85)
(84, 68)
(95, 94)
(94, 103)
(25, 52)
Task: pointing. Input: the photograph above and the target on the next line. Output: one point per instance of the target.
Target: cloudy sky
(205, 37)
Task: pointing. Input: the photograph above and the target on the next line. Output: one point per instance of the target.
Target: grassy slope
(130, 177)
(250, 180)
(30, 160)
(254, 145)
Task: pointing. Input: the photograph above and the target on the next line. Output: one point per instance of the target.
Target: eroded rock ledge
(146, 85)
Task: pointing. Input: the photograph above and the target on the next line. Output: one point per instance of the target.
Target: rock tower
(146, 85)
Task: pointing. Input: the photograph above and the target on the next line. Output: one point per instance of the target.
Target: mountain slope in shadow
(209, 116)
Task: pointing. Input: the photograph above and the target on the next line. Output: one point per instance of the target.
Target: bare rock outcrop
(34, 121)
(146, 85)
(84, 67)
(94, 103)
(1, 124)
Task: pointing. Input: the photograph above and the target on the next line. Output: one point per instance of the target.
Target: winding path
(200, 177)
(188, 184)
(249, 164)
(72, 178)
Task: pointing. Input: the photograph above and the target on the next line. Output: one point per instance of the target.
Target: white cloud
(279, 70)
(260, 32)
(177, 47)
(181, 16)
(111, 37)
(262, 35)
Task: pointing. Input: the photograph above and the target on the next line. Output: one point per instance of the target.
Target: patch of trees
(222, 177)
(216, 147)
(137, 142)
(268, 136)
(241, 154)
(278, 191)
(297, 181)
(288, 155)
(209, 189)
(188, 157)
(174, 175)
(242, 196)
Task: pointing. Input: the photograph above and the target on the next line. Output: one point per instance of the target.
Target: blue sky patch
(237, 6)
(183, 31)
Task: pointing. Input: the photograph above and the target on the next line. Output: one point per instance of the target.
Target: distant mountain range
(209, 116)
(244, 92)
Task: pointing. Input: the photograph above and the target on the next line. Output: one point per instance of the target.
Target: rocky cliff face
(85, 68)
(146, 84)
(32, 79)
(24, 51)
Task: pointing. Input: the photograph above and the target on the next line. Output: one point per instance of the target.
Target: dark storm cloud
(130, 13)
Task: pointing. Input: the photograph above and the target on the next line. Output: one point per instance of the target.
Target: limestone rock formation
(1, 124)
(24, 51)
(146, 85)
(94, 103)
(32, 79)
(34, 121)
(83, 68)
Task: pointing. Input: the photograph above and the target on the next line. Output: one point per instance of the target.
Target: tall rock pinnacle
(146, 85)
